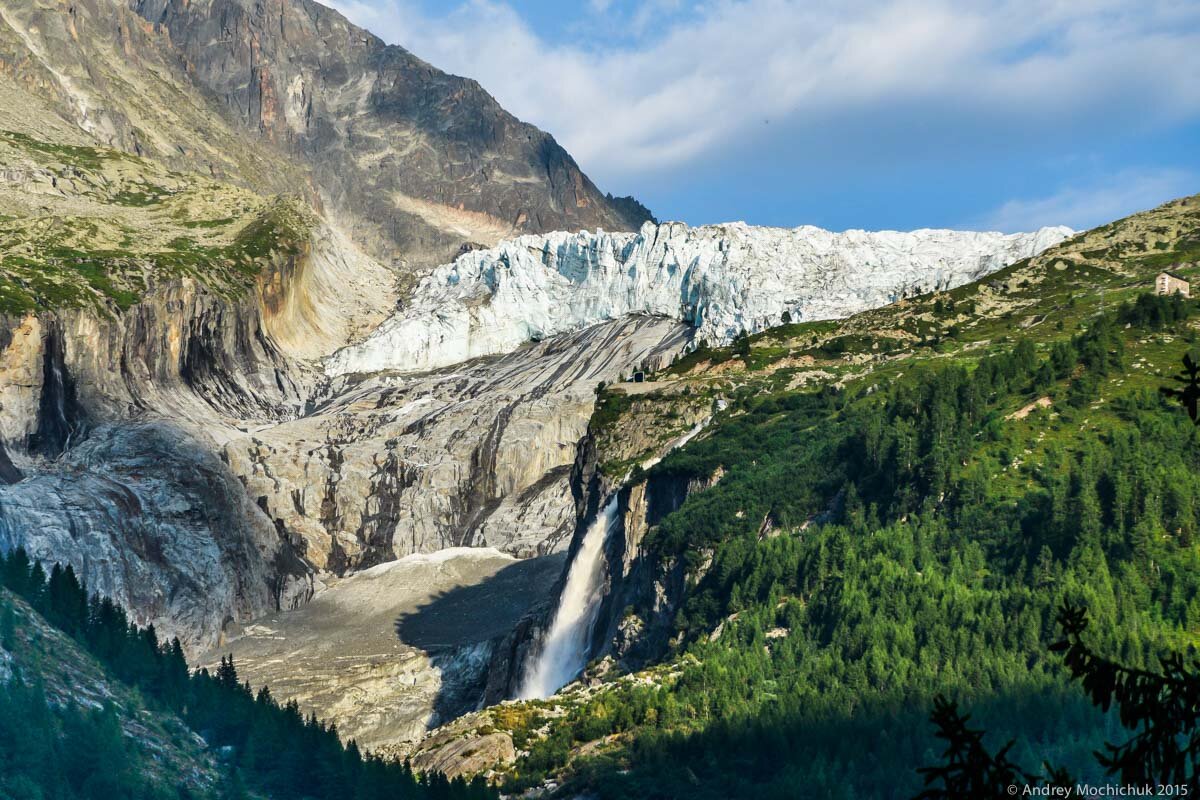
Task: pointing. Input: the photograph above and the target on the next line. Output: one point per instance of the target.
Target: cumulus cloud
(714, 74)
(1086, 206)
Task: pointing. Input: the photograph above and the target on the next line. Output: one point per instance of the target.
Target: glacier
(722, 279)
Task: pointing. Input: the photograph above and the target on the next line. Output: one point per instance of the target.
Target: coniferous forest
(930, 540)
(266, 749)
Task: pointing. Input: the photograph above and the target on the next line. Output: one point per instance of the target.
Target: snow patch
(437, 557)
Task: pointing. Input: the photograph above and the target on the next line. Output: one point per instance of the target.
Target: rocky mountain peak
(414, 161)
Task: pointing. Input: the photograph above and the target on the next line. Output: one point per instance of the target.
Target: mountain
(171, 339)
(417, 163)
(171, 274)
(285, 311)
(865, 513)
(288, 96)
(96, 74)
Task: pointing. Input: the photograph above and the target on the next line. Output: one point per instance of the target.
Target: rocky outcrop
(329, 295)
(722, 279)
(113, 422)
(465, 756)
(170, 314)
(478, 455)
(148, 516)
(94, 72)
(8, 471)
(415, 162)
(636, 619)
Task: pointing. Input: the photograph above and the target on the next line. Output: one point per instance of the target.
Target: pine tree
(8, 624)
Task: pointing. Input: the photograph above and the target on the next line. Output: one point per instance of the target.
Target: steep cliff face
(479, 455)
(117, 421)
(112, 421)
(148, 317)
(635, 622)
(722, 279)
(415, 161)
(628, 581)
(93, 72)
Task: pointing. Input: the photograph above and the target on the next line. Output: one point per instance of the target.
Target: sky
(877, 114)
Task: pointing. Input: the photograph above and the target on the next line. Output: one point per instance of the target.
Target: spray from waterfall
(565, 647)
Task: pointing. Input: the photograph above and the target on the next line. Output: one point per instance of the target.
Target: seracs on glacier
(722, 279)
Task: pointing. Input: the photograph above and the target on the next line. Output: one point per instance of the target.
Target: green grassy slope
(91, 227)
(902, 500)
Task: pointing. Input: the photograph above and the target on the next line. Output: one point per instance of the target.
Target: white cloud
(1084, 207)
(707, 78)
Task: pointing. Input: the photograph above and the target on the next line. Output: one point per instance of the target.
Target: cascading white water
(565, 647)
(680, 442)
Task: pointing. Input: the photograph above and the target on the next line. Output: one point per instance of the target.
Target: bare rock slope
(166, 425)
(475, 455)
(93, 72)
(417, 162)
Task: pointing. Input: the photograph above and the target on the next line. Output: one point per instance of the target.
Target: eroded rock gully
(112, 422)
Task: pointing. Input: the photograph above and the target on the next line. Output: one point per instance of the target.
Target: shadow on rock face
(8, 472)
(60, 416)
(459, 627)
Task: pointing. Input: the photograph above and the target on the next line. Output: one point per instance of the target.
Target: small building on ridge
(1168, 283)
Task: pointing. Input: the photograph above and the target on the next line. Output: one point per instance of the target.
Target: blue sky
(986, 114)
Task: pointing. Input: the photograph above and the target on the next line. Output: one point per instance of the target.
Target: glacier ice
(722, 279)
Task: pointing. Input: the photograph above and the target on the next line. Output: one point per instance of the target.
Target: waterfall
(565, 647)
(59, 389)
